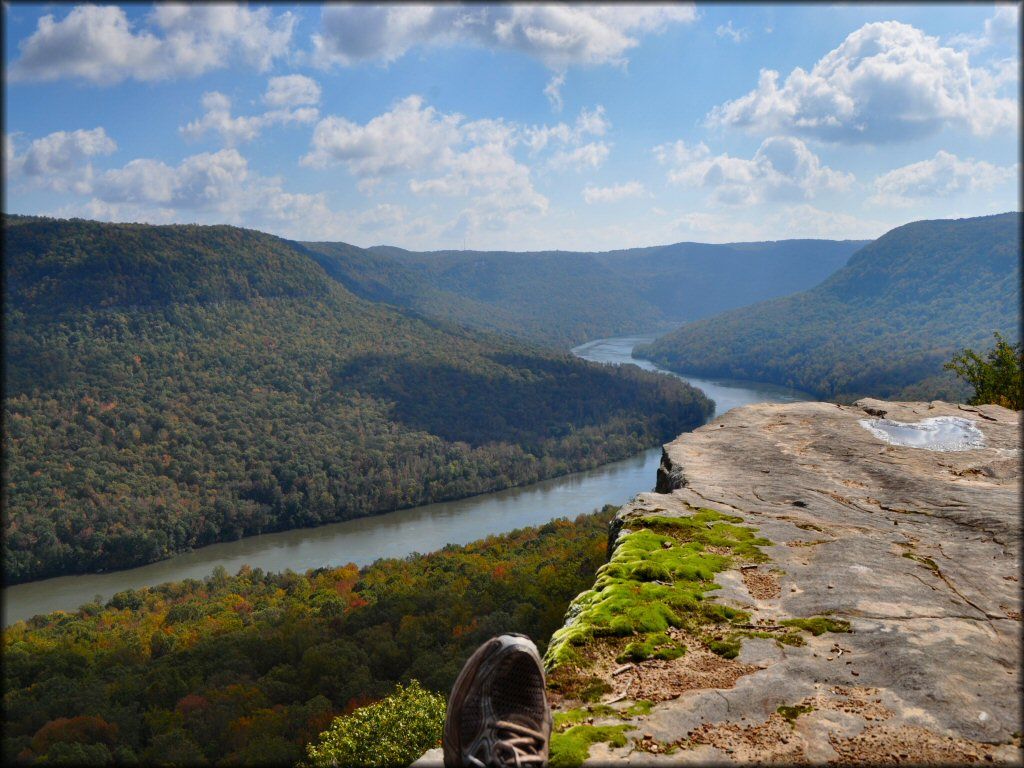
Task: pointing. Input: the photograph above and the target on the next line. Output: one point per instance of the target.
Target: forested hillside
(170, 387)
(564, 298)
(884, 325)
(247, 669)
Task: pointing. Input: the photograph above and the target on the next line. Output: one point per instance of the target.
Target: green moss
(656, 580)
(570, 748)
(594, 689)
(791, 638)
(728, 648)
(793, 712)
(656, 645)
(818, 625)
(809, 527)
(638, 708)
(569, 718)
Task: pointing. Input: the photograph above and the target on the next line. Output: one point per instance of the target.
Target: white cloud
(588, 123)
(1002, 28)
(944, 175)
(736, 35)
(590, 155)
(99, 43)
(59, 161)
(553, 90)
(214, 188)
(558, 35)
(237, 130)
(782, 168)
(1004, 25)
(292, 91)
(613, 193)
(408, 137)
(207, 180)
(443, 154)
(886, 82)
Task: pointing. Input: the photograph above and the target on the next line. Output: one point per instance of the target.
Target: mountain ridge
(883, 325)
(563, 298)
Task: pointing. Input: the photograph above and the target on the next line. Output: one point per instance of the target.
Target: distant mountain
(563, 298)
(883, 325)
(170, 387)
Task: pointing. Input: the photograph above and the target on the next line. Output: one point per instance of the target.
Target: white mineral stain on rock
(942, 433)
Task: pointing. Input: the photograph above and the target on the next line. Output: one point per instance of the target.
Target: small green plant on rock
(818, 625)
(570, 748)
(791, 713)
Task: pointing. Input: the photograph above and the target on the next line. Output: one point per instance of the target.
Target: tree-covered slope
(248, 669)
(882, 326)
(555, 298)
(170, 387)
(563, 298)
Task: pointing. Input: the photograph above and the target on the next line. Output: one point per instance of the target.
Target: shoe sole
(452, 741)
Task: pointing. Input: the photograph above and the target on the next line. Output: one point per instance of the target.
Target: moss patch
(818, 625)
(728, 648)
(791, 713)
(656, 579)
(570, 748)
(569, 718)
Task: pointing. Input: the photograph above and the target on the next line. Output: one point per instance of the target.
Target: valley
(402, 532)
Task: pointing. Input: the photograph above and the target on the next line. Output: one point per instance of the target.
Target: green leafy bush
(998, 379)
(394, 731)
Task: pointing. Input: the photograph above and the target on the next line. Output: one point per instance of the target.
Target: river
(397, 534)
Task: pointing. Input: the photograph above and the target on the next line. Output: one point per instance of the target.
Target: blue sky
(514, 126)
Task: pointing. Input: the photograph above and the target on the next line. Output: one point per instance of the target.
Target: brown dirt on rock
(762, 585)
(772, 741)
(712, 549)
(858, 701)
(657, 679)
(697, 669)
(891, 745)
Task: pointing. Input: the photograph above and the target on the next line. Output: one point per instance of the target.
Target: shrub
(394, 731)
(999, 379)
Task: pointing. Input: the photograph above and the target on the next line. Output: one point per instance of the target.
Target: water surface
(940, 433)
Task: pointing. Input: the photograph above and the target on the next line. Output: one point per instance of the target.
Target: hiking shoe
(498, 714)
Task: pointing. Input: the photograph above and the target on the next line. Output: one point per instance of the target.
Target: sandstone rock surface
(918, 550)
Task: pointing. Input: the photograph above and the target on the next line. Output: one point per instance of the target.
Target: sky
(514, 127)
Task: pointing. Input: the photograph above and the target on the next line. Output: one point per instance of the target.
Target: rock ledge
(918, 550)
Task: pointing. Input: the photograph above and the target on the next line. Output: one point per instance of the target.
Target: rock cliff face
(799, 590)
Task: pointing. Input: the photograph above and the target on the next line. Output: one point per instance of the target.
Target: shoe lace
(515, 745)
(518, 744)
